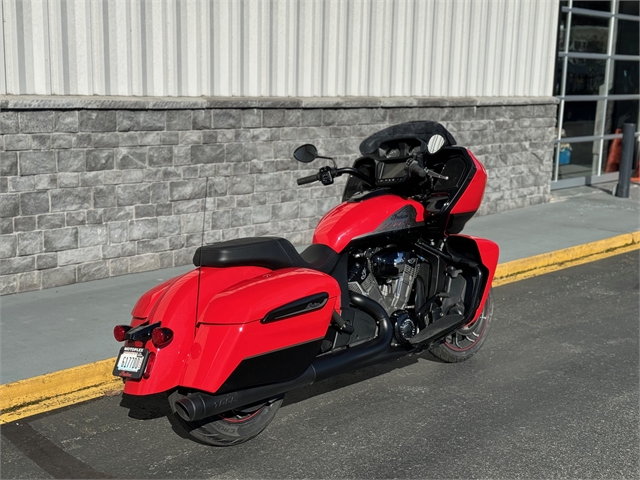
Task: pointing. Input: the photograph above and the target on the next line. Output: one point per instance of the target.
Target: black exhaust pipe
(202, 405)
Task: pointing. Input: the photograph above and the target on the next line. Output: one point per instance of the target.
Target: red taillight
(120, 332)
(161, 337)
(150, 361)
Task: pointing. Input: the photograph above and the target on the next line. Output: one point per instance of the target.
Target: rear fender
(483, 251)
(263, 324)
(174, 304)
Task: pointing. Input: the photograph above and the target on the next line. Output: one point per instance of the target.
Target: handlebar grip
(415, 169)
(309, 179)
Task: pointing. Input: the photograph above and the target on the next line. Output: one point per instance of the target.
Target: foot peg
(437, 329)
(342, 325)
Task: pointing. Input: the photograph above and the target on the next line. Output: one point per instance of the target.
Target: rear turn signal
(161, 337)
(120, 332)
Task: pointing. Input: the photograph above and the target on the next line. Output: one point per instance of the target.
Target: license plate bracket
(131, 363)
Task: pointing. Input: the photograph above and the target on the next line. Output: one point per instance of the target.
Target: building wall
(282, 48)
(104, 187)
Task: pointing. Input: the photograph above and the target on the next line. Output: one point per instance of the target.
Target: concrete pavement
(50, 330)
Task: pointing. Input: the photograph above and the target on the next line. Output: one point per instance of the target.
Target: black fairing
(421, 130)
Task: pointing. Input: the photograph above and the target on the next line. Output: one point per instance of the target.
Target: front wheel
(229, 428)
(466, 341)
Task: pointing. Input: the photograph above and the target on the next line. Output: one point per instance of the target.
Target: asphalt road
(553, 393)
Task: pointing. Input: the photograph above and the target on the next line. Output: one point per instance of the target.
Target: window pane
(625, 77)
(588, 34)
(627, 37)
(619, 113)
(577, 159)
(589, 5)
(580, 119)
(629, 7)
(585, 76)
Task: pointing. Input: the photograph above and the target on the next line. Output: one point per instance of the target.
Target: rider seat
(268, 252)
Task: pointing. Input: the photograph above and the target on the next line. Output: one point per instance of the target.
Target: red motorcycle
(387, 275)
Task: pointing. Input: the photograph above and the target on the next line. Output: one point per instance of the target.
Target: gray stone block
(177, 242)
(205, 154)
(190, 138)
(128, 249)
(67, 199)
(9, 123)
(143, 263)
(10, 266)
(56, 277)
(50, 221)
(168, 226)
(93, 271)
(152, 246)
(145, 228)
(191, 222)
(128, 139)
(60, 239)
(178, 119)
(165, 259)
(8, 284)
(73, 219)
(17, 142)
(29, 281)
(118, 266)
(82, 140)
(6, 226)
(46, 260)
(66, 180)
(22, 184)
(145, 211)
(169, 138)
(97, 121)
(127, 158)
(79, 255)
(140, 120)
(41, 141)
(36, 121)
(104, 196)
(251, 118)
(260, 214)
(32, 163)
(71, 161)
(160, 156)
(273, 118)
(91, 179)
(30, 243)
(118, 232)
(187, 189)
(183, 257)
(66, 121)
(133, 176)
(8, 164)
(34, 203)
(226, 118)
(132, 194)
(46, 182)
(102, 140)
(242, 185)
(9, 205)
(182, 155)
(8, 246)
(92, 235)
(201, 119)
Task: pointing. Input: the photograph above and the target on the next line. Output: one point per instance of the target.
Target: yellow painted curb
(58, 389)
(569, 257)
(67, 387)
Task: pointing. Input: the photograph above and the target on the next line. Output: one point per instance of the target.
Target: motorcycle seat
(268, 252)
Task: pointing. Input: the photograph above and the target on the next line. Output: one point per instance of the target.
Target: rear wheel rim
(467, 337)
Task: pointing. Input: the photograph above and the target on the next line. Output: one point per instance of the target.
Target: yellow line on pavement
(569, 257)
(67, 387)
(58, 389)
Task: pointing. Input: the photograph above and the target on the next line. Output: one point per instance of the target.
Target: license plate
(131, 362)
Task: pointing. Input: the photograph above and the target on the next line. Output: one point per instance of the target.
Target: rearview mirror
(306, 153)
(436, 142)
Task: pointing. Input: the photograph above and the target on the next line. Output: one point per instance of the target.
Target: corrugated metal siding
(303, 48)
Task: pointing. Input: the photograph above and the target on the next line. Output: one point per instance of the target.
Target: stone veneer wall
(93, 188)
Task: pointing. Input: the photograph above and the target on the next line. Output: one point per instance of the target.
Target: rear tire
(465, 342)
(229, 428)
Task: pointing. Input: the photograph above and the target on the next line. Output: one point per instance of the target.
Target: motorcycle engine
(387, 276)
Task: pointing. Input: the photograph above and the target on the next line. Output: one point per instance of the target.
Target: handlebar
(309, 179)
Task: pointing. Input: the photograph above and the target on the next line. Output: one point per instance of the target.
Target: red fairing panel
(174, 305)
(350, 220)
(230, 328)
(472, 197)
(489, 253)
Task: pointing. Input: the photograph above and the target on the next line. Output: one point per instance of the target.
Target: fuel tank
(383, 213)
